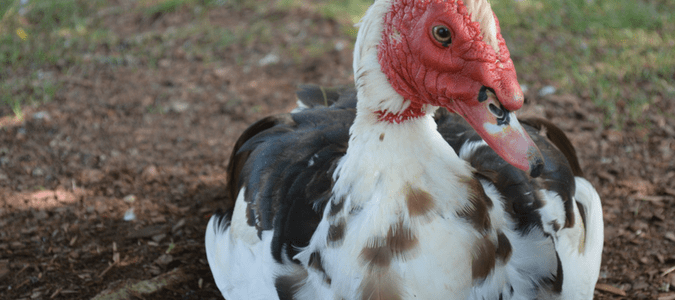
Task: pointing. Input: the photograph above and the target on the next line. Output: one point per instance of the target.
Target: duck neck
(385, 160)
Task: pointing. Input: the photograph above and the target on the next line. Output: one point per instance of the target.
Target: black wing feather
(318, 96)
(284, 191)
(514, 184)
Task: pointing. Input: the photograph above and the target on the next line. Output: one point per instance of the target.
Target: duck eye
(442, 35)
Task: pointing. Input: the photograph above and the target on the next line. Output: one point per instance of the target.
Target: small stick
(668, 271)
(56, 293)
(107, 269)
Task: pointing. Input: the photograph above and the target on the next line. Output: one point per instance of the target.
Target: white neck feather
(374, 91)
(385, 159)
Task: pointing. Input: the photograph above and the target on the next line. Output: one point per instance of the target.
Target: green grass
(347, 12)
(34, 37)
(167, 6)
(43, 32)
(617, 53)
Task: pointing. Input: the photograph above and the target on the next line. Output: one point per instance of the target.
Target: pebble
(164, 63)
(524, 88)
(150, 173)
(269, 59)
(670, 236)
(179, 106)
(130, 199)
(131, 60)
(41, 115)
(129, 215)
(340, 45)
(38, 172)
(21, 133)
(547, 90)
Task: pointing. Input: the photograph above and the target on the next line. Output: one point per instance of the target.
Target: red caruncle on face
(426, 71)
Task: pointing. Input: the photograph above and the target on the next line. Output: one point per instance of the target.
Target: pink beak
(500, 129)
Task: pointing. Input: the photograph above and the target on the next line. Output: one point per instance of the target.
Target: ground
(150, 138)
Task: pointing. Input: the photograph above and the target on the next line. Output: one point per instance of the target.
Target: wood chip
(610, 289)
(660, 258)
(4, 270)
(145, 287)
(666, 297)
(147, 232)
(653, 198)
(158, 219)
(606, 176)
(164, 259)
(670, 236)
(178, 225)
(16, 245)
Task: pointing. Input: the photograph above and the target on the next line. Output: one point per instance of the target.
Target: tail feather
(312, 96)
(580, 247)
(559, 139)
(215, 240)
(589, 199)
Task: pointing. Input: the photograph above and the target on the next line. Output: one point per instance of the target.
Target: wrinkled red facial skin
(424, 71)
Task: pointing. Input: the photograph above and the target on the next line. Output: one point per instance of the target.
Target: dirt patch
(113, 182)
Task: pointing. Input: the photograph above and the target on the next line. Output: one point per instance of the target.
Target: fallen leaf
(610, 289)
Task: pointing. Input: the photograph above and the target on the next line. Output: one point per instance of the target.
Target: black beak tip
(536, 167)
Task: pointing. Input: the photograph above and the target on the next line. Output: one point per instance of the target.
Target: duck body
(376, 193)
(517, 240)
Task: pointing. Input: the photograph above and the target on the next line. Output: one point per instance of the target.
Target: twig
(23, 283)
(56, 293)
(668, 271)
(22, 269)
(107, 269)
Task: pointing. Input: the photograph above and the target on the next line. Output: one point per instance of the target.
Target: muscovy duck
(378, 194)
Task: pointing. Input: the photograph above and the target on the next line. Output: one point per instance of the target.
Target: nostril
(497, 111)
(482, 94)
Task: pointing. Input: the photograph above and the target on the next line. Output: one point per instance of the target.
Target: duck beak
(501, 130)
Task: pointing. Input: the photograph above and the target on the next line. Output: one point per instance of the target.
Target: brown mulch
(125, 137)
